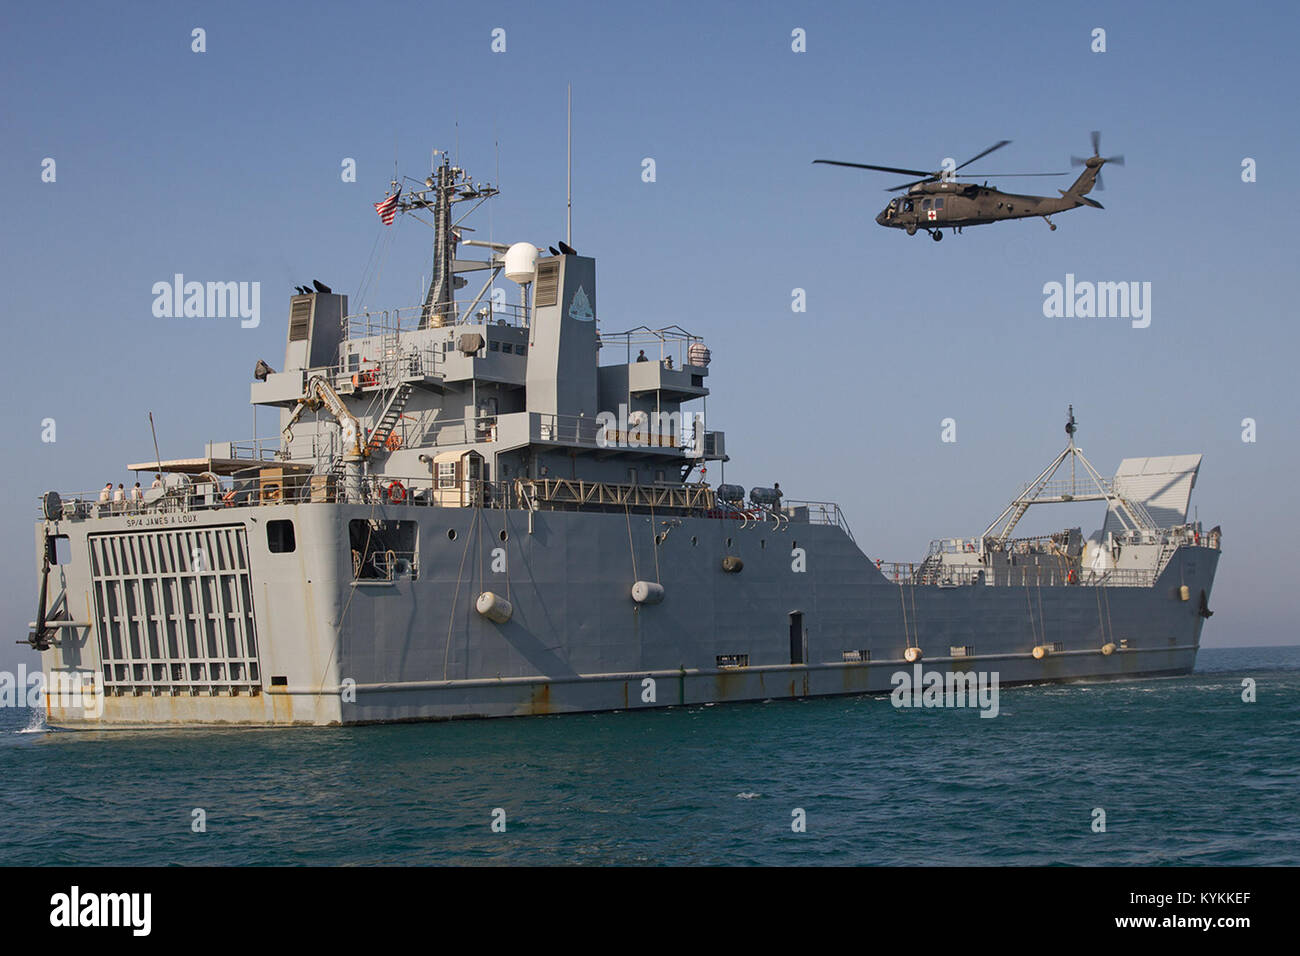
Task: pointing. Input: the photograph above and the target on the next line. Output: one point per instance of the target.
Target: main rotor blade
(883, 169)
(928, 179)
(997, 145)
(1009, 175)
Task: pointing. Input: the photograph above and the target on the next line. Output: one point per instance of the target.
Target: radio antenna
(568, 228)
(158, 454)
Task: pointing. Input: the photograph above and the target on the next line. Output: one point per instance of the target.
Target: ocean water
(1186, 772)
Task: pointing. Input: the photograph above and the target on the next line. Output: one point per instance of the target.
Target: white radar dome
(521, 262)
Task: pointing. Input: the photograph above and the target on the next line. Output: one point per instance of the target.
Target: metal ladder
(390, 416)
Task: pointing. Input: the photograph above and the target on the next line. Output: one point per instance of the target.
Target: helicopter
(938, 200)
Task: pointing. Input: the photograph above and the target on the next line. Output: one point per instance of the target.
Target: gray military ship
(477, 509)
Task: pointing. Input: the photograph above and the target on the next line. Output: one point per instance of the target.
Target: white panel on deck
(1163, 485)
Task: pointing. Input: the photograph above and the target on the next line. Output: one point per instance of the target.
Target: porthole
(502, 535)
(451, 534)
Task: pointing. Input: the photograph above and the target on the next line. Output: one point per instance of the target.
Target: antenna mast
(445, 186)
(568, 228)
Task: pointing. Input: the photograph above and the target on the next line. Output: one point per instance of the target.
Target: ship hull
(193, 619)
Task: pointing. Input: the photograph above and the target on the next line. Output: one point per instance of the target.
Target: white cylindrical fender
(1041, 651)
(732, 564)
(1184, 593)
(912, 655)
(1107, 649)
(647, 592)
(494, 607)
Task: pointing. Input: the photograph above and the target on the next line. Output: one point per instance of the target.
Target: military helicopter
(938, 200)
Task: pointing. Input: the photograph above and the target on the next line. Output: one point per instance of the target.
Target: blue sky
(225, 165)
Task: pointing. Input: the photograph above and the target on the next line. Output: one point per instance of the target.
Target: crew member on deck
(106, 493)
(641, 357)
(137, 496)
(157, 481)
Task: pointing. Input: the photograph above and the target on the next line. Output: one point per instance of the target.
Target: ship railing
(1025, 575)
(575, 494)
(427, 430)
(817, 512)
(1036, 544)
(255, 449)
(593, 433)
(393, 365)
(659, 345)
(373, 322)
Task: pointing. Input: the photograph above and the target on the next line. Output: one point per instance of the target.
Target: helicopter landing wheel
(936, 235)
(1053, 225)
(911, 230)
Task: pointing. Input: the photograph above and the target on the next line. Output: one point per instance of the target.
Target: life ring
(393, 442)
(396, 492)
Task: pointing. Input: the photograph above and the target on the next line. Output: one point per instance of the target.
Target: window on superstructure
(493, 346)
(280, 538)
(446, 474)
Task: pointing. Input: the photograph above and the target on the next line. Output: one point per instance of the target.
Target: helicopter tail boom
(1080, 200)
(1087, 179)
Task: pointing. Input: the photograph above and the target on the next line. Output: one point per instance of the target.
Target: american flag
(388, 208)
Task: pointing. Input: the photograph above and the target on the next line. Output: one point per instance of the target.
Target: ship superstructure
(479, 508)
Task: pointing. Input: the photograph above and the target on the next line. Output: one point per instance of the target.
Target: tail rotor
(1096, 159)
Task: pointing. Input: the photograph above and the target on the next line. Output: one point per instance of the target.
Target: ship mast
(1042, 490)
(445, 186)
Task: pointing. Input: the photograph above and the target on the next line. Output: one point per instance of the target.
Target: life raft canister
(393, 441)
(396, 492)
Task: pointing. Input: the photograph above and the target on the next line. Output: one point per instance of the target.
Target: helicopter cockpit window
(907, 205)
(925, 204)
